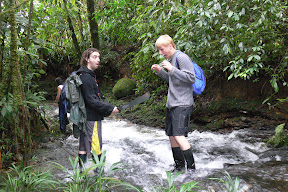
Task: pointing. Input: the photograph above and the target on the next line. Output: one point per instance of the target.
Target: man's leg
(176, 151)
(180, 124)
(181, 141)
(62, 118)
(186, 149)
(82, 158)
(82, 149)
(188, 154)
(96, 139)
(177, 122)
(177, 155)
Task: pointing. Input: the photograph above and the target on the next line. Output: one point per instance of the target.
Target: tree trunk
(1, 65)
(93, 24)
(29, 139)
(28, 38)
(2, 47)
(13, 64)
(80, 23)
(74, 38)
(0, 159)
(19, 100)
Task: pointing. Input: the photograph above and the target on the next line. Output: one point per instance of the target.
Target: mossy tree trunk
(0, 159)
(27, 43)
(19, 101)
(93, 24)
(1, 65)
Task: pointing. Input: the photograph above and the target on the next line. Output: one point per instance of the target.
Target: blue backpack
(200, 83)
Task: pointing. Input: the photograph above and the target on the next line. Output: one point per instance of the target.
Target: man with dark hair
(179, 100)
(96, 108)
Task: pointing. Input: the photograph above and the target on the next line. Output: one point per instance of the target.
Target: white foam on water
(146, 151)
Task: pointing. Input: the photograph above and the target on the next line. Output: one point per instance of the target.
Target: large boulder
(124, 87)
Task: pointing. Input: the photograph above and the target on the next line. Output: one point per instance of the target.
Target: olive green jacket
(77, 111)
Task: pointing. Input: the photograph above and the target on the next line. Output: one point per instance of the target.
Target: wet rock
(52, 139)
(275, 154)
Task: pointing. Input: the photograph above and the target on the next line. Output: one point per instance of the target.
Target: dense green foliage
(245, 38)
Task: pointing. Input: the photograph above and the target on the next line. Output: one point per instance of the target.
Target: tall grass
(28, 179)
(230, 185)
(86, 180)
(186, 187)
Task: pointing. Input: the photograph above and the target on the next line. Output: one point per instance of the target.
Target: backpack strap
(178, 53)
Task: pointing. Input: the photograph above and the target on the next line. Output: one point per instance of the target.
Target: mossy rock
(219, 124)
(124, 87)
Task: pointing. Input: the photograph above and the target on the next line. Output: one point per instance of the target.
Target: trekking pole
(0, 159)
(69, 153)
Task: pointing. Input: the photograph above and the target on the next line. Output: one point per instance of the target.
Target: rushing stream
(147, 154)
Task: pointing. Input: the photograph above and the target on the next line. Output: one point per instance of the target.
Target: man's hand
(156, 68)
(167, 65)
(115, 110)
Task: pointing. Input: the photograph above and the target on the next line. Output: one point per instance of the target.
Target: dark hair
(59, 81)
(86, 54)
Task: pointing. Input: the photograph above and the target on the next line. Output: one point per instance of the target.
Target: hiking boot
(178, 168)
(96, 171)
(82, 160)
(63, 131)
(94, 158)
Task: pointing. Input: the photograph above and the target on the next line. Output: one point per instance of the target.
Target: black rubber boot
(94, 160)
(96, 171)
(178, 159)
(82, 160)
(189, 159)
(99, 157)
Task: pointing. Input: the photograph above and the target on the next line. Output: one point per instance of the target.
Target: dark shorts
(177, 121)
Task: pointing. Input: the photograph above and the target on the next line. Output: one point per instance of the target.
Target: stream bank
(223, 106)
(210, 115)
